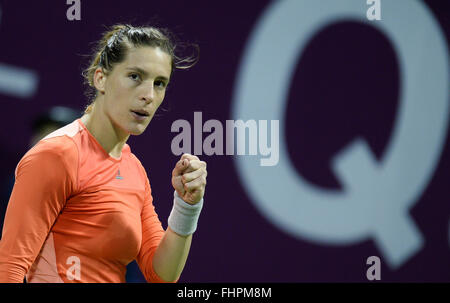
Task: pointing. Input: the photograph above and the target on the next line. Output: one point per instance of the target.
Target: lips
(141, 112)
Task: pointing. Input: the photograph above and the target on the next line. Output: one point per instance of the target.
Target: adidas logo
(118, 175)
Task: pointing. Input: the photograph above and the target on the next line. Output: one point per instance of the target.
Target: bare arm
(171, 255)
(189, 180)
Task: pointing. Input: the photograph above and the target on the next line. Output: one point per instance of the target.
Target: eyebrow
(145, 73)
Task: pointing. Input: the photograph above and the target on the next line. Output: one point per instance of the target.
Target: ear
(100, 80)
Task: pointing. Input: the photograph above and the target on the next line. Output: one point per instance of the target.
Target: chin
(136, 131)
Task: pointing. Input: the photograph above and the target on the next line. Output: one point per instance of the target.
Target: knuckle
(189, 156)
(184, 156)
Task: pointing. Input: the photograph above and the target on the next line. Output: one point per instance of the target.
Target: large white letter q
(356, 213)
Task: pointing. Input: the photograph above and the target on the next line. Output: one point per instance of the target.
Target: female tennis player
(81, 208)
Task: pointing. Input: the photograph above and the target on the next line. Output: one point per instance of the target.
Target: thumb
(180, 167)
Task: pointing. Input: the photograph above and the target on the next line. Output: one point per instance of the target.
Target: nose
(148, 94)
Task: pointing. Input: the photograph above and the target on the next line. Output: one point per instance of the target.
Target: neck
(110, 137)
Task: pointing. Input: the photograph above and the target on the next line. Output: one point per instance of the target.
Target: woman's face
(135, 88)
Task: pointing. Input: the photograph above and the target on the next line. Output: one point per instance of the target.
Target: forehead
(153, 60)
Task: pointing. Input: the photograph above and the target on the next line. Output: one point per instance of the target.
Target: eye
(160, 84)
(135, 77)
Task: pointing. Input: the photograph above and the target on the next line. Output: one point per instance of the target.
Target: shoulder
(62, 147)
(60, 142)
(53, 152)
(141, 171)
(53, 163)
(138, 163)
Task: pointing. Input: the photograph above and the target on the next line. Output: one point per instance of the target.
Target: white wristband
(184, 216)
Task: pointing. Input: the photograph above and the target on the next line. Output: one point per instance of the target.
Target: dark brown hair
(112, 49)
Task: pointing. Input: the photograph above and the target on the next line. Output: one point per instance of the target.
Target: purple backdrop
(346, 84)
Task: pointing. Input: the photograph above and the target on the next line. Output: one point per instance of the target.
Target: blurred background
(362, 105)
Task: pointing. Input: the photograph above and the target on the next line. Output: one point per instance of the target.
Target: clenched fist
(189, 178)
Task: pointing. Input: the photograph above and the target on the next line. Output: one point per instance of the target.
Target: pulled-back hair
(113, 47)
